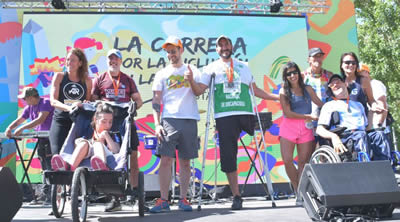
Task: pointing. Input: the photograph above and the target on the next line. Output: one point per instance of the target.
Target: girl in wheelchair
(97, 146)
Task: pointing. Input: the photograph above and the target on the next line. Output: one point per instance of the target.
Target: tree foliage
(378, 23)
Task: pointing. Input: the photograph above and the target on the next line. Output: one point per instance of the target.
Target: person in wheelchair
(349, 116)
(100, 145)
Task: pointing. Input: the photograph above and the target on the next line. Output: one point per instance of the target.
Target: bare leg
(98, 149)
(80, 152)
(287, 149)
(134, 169)
(233, 182)
(184, 176)
(304, 152)
(164, 175)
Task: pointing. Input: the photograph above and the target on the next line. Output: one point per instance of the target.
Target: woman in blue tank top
(296, 126)
(360, 87)
(68, 89)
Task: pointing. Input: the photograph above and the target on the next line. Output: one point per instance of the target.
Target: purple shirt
(32, 112)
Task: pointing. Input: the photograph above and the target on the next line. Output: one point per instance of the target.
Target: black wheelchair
(84, 185)
(325, 152)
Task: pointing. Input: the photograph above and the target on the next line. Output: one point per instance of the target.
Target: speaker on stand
(337, 190)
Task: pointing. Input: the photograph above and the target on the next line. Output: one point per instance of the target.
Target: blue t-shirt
(352, 116)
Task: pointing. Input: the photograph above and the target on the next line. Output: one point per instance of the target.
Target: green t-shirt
(230, 98)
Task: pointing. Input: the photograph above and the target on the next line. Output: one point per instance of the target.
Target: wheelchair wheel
(58, 197)
(79, 196)
(141, 196)
(324, 154)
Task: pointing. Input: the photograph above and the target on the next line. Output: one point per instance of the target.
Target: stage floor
(255, 209)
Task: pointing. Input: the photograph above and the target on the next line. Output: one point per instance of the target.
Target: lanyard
(116, 85)
(229, 72)
(347, 102)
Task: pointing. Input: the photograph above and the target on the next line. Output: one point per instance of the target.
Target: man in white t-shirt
(176, 123)
(233, 109)
(379, 141)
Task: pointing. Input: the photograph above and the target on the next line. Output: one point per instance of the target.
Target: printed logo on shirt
(176, 82)
(73, 91)
(354, 91)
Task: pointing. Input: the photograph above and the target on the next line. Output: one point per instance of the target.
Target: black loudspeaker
(10, 195)
(356, 188)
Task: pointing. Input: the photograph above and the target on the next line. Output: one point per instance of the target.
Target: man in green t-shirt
(233, 110)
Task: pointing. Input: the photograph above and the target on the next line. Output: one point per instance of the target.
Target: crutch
(215, 197)
(266, 170)
(210, 98)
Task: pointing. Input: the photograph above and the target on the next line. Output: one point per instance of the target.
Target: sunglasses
(350, 63)
(292, 72)
(171, 51)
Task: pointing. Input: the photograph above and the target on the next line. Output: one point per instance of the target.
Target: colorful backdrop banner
(265, 42)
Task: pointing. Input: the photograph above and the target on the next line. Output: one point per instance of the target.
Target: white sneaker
(299, 201)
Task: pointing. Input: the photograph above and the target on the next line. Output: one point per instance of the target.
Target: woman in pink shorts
(296, 127)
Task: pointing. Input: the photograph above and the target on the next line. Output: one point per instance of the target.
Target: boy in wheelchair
(343, 121)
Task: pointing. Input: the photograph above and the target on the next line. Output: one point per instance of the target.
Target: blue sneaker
(160, 206)
(184, 205)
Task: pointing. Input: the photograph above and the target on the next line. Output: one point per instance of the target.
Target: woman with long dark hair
(360, 86)
(68, 90)
(296, 126)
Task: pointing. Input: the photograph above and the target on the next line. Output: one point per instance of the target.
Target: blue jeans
(360, 141)
(379, 145)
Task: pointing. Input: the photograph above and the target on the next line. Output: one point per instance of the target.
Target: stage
(255, 209)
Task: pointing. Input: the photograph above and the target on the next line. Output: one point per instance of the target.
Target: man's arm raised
(197, 88)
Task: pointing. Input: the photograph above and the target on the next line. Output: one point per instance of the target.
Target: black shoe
(237, 203)
(50, 213)
(113, 206)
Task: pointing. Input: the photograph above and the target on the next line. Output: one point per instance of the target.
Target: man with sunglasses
(176, 124)
(351, 116)
(233, 109)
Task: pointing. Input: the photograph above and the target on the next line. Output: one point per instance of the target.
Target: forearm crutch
(266, 170)
(209, 107)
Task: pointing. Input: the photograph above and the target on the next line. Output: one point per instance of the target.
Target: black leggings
(58, 133)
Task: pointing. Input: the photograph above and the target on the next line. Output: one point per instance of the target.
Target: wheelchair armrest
(338, 130)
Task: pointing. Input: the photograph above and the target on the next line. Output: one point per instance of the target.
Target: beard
(174, 60)
(226, 54)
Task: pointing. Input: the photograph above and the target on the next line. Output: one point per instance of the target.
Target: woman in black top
(68, 89)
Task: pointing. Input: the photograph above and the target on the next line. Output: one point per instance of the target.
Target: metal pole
(266, 170)
(210, 98)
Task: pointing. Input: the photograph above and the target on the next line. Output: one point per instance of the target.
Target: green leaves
(378, 23)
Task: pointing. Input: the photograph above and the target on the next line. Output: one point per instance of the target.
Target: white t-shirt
(352, 115)
(378, 90)
(230, 98)
(178, 98)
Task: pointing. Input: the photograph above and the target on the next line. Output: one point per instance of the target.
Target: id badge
(69, 102)
(231, 87)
